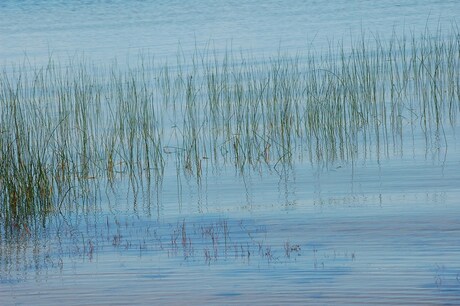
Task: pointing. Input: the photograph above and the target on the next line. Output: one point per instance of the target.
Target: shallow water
(381, 229)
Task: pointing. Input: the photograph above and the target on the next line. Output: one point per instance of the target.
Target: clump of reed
(66, 130)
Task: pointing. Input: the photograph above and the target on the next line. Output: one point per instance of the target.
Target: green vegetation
(65, 130)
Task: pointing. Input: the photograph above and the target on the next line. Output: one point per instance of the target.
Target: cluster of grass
(67, 129)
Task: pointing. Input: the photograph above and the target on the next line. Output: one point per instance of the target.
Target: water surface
(379, 229)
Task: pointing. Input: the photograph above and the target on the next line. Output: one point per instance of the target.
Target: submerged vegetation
(67, 129)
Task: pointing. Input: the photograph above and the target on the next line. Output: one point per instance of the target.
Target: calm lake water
(106, 29)
(380, 229)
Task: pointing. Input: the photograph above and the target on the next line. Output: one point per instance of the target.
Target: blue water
(103, 30)
(376, 230)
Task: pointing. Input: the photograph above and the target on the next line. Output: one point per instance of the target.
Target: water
(378, 230)
(108, 29)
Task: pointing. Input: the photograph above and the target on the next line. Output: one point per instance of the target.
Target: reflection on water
(382, 227)
(328, 253)
(353, 237)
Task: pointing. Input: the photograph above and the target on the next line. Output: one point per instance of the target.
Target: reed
(67, 130)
